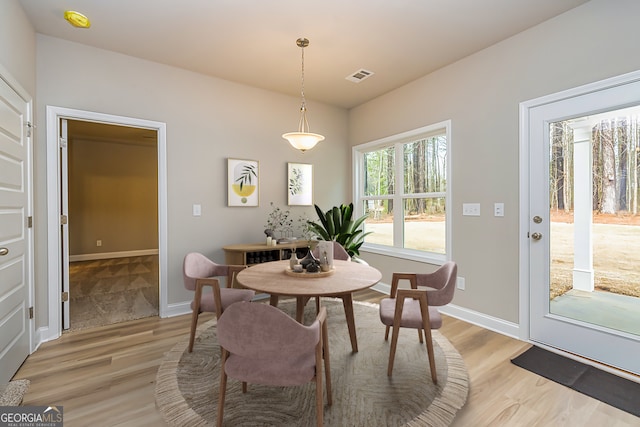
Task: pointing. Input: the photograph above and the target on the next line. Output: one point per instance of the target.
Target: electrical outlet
(460, 283)
(471, 209)
(197, 210)
(498, 209)
(98, 242)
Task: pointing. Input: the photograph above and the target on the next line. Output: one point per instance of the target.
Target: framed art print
(243, 180)
(300, 184)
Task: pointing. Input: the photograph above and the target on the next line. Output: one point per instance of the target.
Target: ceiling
(253, 42)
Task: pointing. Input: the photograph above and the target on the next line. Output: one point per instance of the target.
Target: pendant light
(303, 140)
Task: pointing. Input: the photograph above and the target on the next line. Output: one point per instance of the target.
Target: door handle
(4, 251)
(536, 236)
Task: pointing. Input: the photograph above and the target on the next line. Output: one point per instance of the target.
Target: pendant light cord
(303, 126)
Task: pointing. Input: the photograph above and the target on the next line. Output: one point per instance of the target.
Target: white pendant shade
(303, 141)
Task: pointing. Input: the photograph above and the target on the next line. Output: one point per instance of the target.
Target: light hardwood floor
(106, 377)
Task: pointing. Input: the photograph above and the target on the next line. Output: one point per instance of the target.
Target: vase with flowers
(279, 224)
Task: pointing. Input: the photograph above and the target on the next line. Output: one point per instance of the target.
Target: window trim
(357, 157)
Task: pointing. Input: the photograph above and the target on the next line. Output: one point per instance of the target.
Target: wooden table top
(270, 278)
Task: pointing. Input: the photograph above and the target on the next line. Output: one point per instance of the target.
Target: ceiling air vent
(359, 75)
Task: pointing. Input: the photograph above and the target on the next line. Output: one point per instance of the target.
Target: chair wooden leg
(319, 398)
(244, 386)
(197, 297)
(392, 351)
(386, 334)
(223, 389)
(192, 333)
(424, 308)
(322, 358)
(432, 359)
(420, 336)
(194, 317)
(327, 362)
(317, 305)
(396, 330)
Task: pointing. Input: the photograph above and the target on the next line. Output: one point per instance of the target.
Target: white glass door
(584, 238)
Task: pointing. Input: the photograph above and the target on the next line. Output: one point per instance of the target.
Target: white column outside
(582, 207)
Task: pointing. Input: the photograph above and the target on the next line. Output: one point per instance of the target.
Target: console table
(256, 253)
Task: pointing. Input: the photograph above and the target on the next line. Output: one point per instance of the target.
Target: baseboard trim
(109, 255)
(177, 309)
(491, 323)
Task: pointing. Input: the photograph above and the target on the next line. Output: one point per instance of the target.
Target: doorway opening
(59, 243)
(112, 193)
(594, 219)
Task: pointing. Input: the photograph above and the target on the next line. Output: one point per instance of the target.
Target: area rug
(611, 389)
(12, 393)
(187, 384)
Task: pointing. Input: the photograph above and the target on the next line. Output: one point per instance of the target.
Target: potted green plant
(338, 224)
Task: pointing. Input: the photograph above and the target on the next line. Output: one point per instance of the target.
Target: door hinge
(30, 312)
(65, 296)
(62, 143)
(29, 222)
(63, 219)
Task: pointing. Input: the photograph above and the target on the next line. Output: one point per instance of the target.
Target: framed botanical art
(243, 178)
(300, 184)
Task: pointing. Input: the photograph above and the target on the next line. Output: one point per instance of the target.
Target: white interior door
(15, 240)
(586, 334)
(64, 222)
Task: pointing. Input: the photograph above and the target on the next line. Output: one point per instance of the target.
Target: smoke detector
(359, 75)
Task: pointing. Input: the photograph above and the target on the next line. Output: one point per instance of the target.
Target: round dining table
(276, 279)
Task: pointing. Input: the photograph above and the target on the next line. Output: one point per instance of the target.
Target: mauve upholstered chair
(263, 345)
(200, 271)
(416, 308)
(339, 252)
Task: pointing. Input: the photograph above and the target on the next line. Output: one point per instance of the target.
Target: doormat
(611, 389)
(11, 394)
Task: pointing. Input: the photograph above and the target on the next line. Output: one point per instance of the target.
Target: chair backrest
(339, 252)
(263, 332)
(443, 280)
(197, 266)
(263, 345)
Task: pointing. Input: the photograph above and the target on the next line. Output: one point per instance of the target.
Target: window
(402, 185)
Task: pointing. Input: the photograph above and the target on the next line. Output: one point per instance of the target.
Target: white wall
(208, 120)
(481, 95)
(113, 196)
(17, 45)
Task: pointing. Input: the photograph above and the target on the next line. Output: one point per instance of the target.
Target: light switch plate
(197, 210)
(471, 209)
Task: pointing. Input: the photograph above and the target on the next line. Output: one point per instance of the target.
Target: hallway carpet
(107, 291)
